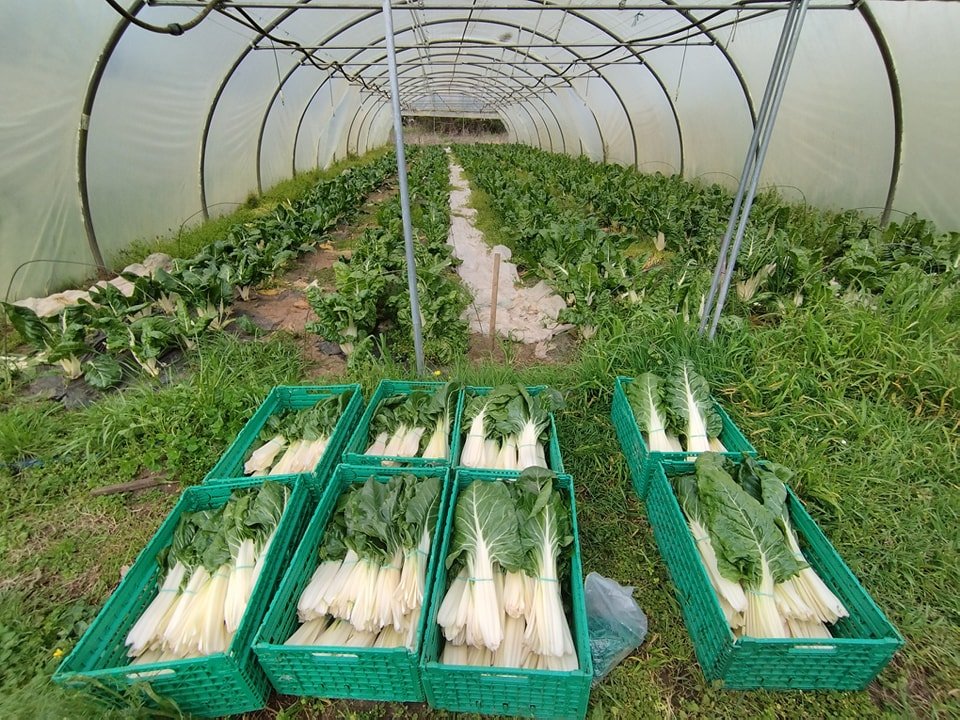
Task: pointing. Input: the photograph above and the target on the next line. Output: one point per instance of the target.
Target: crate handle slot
(812, 649)
(501, 678)
(351, 657)
(151, 674)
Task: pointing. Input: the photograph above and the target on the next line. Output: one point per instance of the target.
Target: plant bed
(223, 683)
(860, 646)
(284, 403)
(641, 461)
(362, 673)
(510, 690)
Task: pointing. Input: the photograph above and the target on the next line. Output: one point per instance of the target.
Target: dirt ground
(282, 305)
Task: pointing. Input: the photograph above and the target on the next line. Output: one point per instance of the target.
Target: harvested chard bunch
(302, 435)
(733, 601)
(503, 607)
(739, 519)
(645, 394)
(209, 572)
(805, 601)
(690, 410)
(506, 429)
(368, 588)
(414, 425)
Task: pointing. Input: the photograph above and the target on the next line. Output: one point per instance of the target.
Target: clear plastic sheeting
(828, 142)
(192, 124)
(923, 41)
(42, 85)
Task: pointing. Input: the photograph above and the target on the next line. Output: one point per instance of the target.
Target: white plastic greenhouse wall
(142, 130)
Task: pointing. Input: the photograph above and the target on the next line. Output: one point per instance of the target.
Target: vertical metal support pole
(404, 190)
(748, 164)
(753, 165)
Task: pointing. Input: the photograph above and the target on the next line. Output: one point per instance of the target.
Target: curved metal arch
(521, 103)
(507, 121)
(467, 88)
(896, 98)
(316, 153)
(356, 115)
(504, 117)
(545, 63)
(123, 24)
(296, 134)
(487, 88)
(744, 88)
(643, 62)
(499, 23)
(83, 190)
(472, 54)
(215, 102)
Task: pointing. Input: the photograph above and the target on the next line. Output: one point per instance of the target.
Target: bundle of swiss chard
(740, 521)
(293, 441)
(368, 586)
(503, 605)
(675, 409)
(415, 424)
(507, 428)
(209, 572)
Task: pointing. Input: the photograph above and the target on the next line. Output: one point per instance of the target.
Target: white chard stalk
(263, 457)
(379, 445)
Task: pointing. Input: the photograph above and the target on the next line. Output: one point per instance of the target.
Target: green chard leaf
(645, 394)
(102, 371)
(686, 389)
(486, 514)
(743, 531)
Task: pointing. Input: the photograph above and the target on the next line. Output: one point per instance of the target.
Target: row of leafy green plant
(101, 336)
(369, 314)
(606, 236)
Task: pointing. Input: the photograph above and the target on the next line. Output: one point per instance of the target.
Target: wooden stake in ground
(493, 300)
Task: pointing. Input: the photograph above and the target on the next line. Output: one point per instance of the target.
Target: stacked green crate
(553, 455)
(343, 672)
(292, 397)
(214, 685)
(641, 461)
(862, 644)
(355, 451)
(509, 691)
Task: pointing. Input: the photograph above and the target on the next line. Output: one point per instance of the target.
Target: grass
(487, 220)
(860, 401)
(191, 238)
(878, 475)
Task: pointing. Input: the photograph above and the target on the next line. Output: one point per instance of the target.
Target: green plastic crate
(862, 644)
(211, 686)
(292, 397)
(508, 691)
(640, 460)
(360, 440)
(358, 673)
(554, 458)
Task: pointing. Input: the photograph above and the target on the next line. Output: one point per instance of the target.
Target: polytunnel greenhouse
(502, 357)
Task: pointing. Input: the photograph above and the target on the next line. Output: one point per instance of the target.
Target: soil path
(281, 305)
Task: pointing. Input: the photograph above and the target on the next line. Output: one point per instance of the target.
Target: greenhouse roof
(122, 122)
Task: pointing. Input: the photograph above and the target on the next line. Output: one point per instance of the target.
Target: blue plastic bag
(616, 624)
